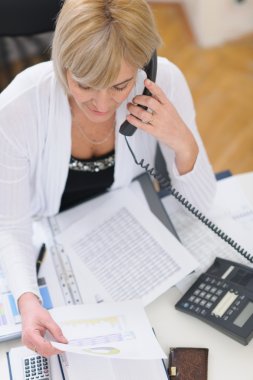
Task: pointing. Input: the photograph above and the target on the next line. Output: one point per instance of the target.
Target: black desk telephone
(223, 298)
(128, 129)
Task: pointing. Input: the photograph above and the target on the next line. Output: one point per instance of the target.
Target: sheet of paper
(123, 247)
(113, 369)
(232, 201)
(230, 211)
(63, 220)
(114, 330)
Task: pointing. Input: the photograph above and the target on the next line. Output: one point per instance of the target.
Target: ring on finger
(151, 113)
(148, 121)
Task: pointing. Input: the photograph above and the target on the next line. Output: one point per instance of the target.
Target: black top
(87, 179)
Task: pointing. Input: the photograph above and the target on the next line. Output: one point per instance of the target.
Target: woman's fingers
(56, 331)
(153, 102)
(146, 108)
(156, 91)
(35, 341)
(36, 321)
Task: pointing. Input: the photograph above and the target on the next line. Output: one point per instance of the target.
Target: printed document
(106, 341)
(232, 212)
(114, 330)
(124, 252)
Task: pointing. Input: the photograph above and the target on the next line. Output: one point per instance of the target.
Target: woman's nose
(102, 100)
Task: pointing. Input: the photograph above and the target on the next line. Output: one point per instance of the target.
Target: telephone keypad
(223, 298)
(207, 294)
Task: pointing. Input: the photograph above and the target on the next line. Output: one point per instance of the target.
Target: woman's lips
(98, 112)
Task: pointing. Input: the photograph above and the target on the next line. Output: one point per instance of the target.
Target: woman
(59, 140)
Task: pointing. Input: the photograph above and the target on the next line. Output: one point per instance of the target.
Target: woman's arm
(170, 118)
(17, 254)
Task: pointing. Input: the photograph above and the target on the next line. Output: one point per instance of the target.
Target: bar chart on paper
(10, 321)
(100, 332)
(8, 309)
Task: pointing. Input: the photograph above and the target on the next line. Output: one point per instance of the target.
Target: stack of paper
(109, 341)
(123, 251)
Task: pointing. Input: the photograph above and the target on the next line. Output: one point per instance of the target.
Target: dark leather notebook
(187, 363)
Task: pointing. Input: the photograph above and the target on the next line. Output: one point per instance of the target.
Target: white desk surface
(227, 358)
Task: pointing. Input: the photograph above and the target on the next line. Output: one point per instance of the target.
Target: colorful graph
(9, 313)
(105, 351)
(3, 319)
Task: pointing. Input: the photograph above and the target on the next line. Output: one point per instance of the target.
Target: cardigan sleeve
(199, 185)
(17, 253)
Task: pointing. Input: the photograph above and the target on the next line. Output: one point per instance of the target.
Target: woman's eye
(120, 88)
(83, 87)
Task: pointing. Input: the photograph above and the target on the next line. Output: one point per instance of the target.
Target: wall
(217, 21)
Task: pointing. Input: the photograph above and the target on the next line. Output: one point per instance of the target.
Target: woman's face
(100, 105)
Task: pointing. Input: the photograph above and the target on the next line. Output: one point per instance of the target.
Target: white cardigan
(35, 149)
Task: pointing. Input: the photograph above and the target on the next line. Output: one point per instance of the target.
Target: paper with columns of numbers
(124, 252)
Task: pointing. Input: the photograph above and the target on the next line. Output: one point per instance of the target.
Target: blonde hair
(92, 37)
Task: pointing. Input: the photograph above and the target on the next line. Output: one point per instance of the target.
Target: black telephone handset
(126, 128)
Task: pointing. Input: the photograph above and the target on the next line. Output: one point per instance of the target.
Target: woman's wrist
(27, 299)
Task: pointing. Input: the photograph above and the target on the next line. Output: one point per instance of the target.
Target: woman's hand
(36, 320)
(163, 122)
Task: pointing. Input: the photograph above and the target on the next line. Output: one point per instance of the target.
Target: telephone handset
(126, 128)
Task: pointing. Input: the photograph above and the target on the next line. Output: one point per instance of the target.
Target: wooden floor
(221, 81)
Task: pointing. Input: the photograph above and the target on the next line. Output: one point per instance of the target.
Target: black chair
(26, 28)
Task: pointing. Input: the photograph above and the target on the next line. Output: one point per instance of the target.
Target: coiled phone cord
(179, 197)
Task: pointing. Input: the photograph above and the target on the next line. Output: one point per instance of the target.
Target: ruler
(66, 276)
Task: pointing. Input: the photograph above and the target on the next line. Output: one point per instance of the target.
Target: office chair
(26, 28)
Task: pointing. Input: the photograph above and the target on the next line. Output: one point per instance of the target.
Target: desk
(227, 358)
